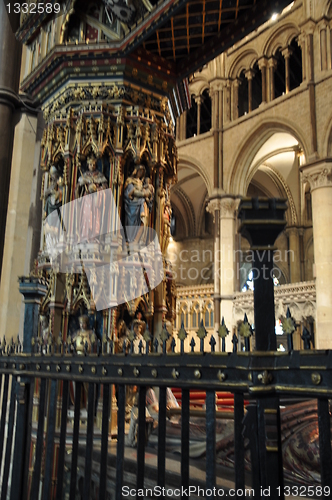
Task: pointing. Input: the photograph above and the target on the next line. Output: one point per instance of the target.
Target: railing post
(22, 430)
(262, 222)
(33, 291)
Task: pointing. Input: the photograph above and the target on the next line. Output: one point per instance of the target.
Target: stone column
(272, 66)
(217, 127)
(227, 94)
(20, 215)
(309, 29)
(249, 76)
(235, 98)
(294, 255)
(224, 206)
(287, 53)
(319, 176)
(10, 62)
(262, 64)
(323, 45)
(302, 44)
(213, 208)
(198, 101)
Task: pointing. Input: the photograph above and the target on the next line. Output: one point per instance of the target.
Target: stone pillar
(319, 176)
(213, 208)
(198, 101)
(323, 44)
(10, 62)
(302, 44)
(294, 254)
(217, 128)
(262, 64)
(235, 97)
(272, 66)
(18, 219)
(309, 30)
(227, 107)
(224, 206)
(249, 76)
(287, 53)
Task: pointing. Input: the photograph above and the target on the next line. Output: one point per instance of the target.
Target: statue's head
(54, 173)
(84, 322)
(140, 171)
(43, 320)
(92, 163)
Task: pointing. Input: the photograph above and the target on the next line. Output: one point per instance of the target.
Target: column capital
(226, 205)
(323, 23)
(308, 27)
(198, 99)
(291, 231)
(272, 63)
(318, 173)
(287, 52)
(249, 74)
(217, 84)
(262, 62)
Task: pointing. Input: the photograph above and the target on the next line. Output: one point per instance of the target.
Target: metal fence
(36, 387)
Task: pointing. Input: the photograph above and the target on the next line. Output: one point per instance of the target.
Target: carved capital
(318, 174)
(226, 207)
(292, 231)
(262, 62)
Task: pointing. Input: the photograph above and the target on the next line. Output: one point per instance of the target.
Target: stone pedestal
(33, 291)
(319, 176)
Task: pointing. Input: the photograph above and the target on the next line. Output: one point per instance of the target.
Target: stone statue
(53, 194)
(92, 218)
(138, 196)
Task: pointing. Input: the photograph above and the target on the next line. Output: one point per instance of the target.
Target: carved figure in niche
(123, 333)
(84, 335)
(44, 330)
(53, 194)
(138, 196)
(92, 217)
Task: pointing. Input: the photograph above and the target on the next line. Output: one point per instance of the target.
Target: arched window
(192, 119)
(196, 316)
(279, 75)
(184, 316)
(295, 65)
(205, 112)
(73, 33)
(243, 94)
(256, 87)
(209, 319)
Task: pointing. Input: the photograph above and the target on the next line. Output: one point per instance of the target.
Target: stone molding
(299, 297)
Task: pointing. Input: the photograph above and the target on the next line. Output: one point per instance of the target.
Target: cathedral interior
(135, 139)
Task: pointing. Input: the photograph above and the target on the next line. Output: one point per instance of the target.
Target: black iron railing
(43, 381)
